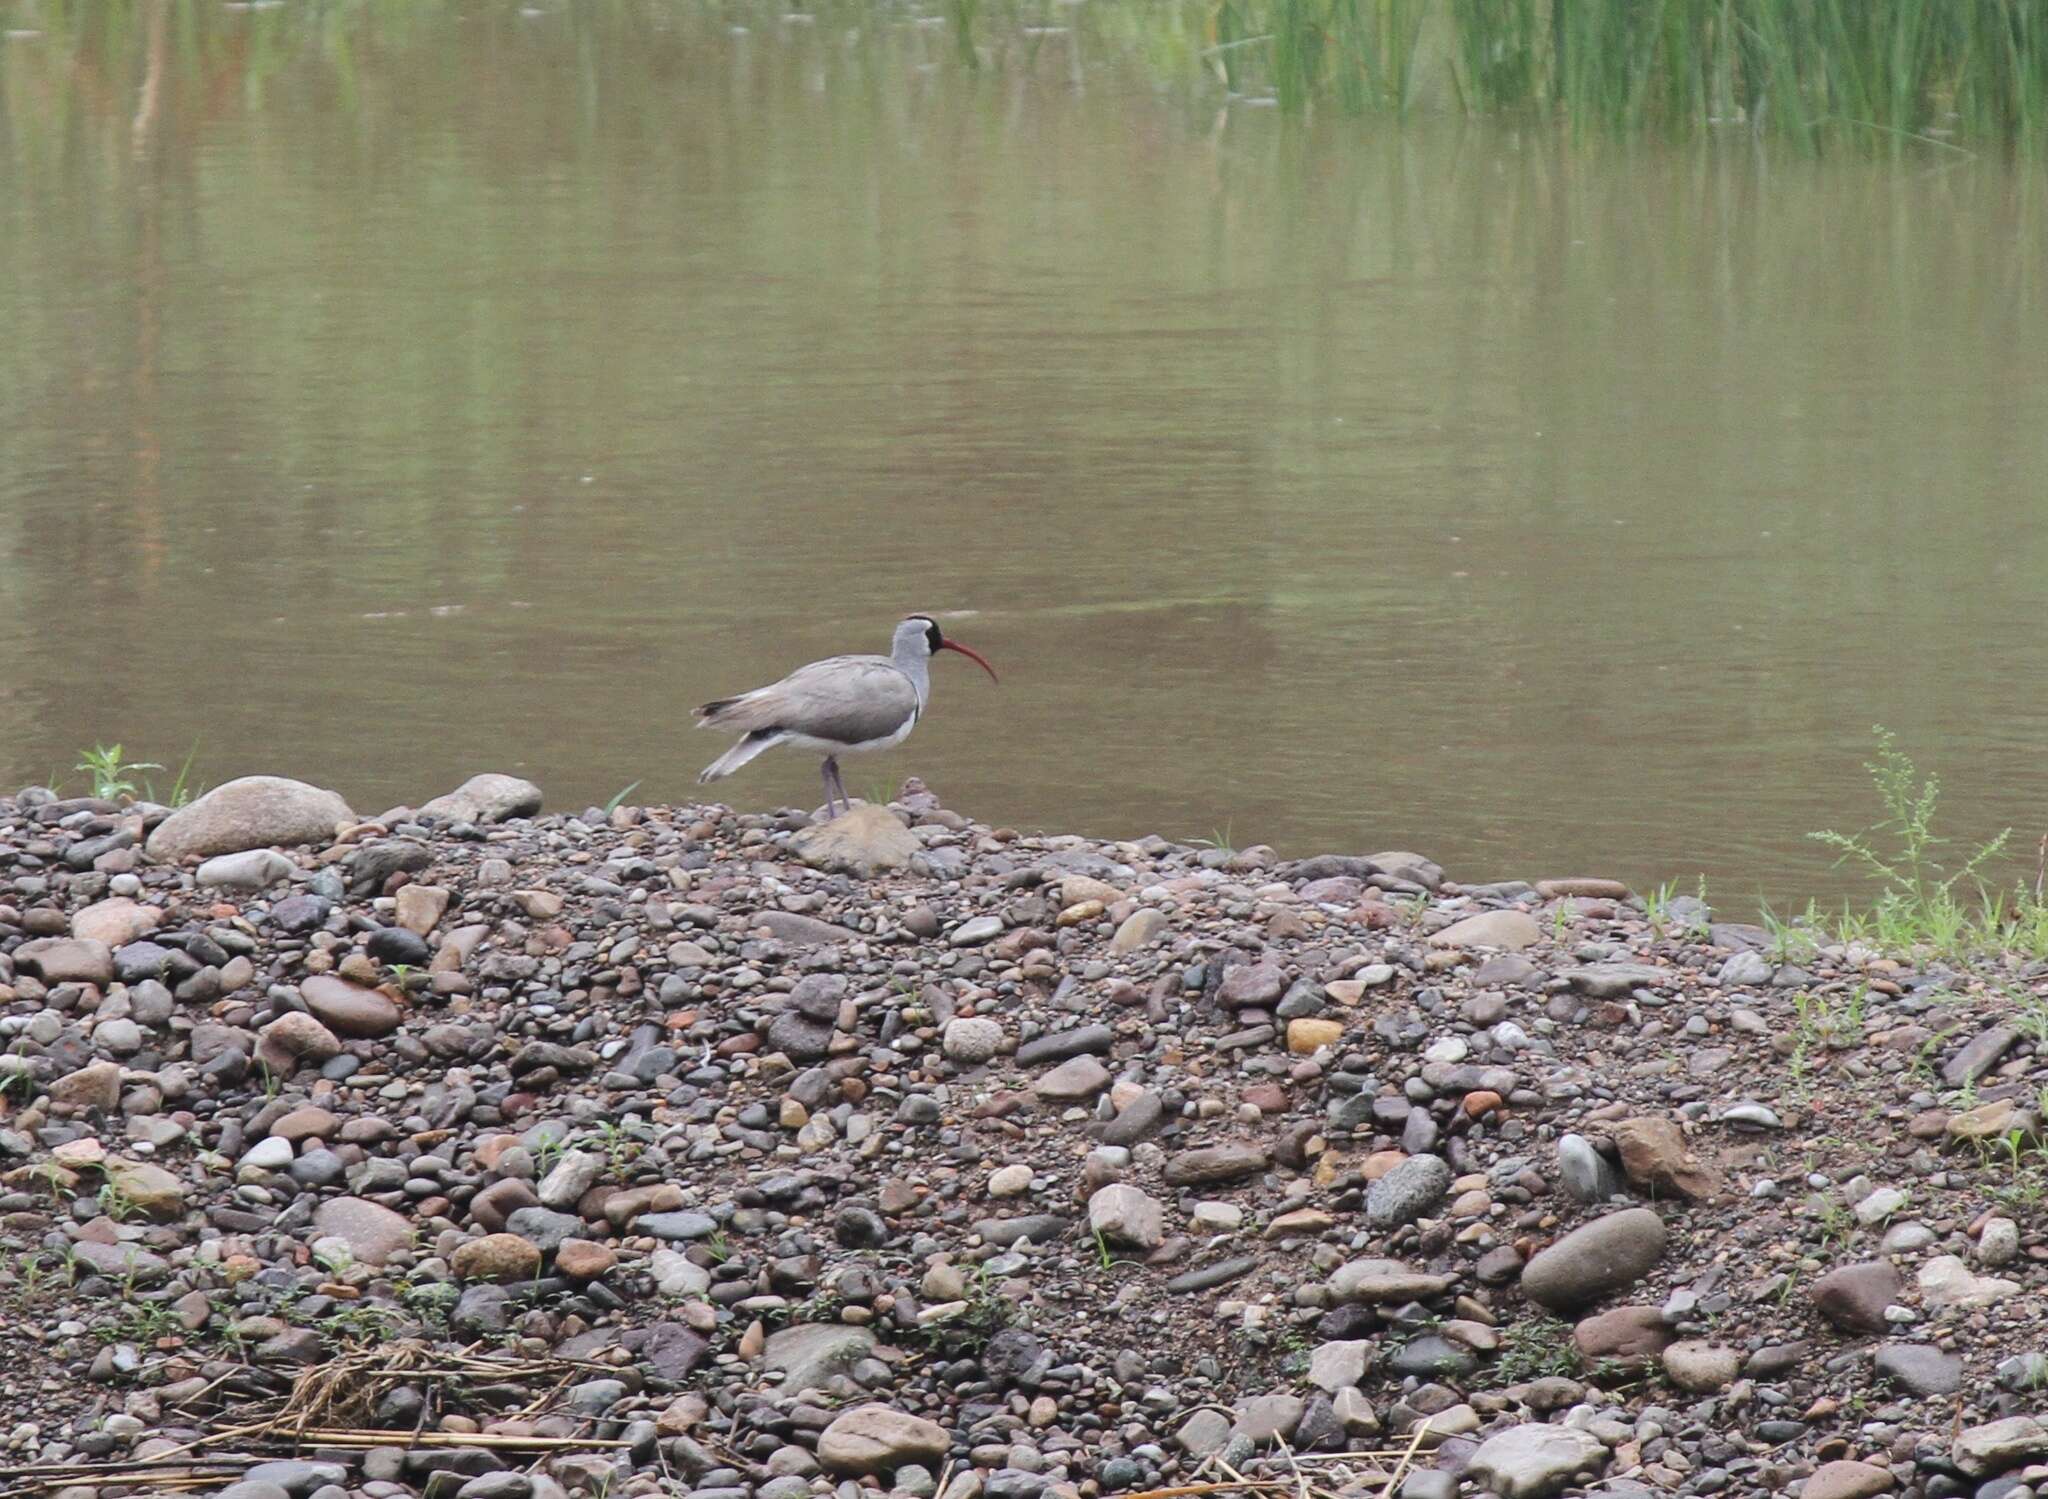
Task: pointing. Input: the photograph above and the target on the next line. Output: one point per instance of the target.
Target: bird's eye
(935, 638)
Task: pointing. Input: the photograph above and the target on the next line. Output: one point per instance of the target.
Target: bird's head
(919, 636)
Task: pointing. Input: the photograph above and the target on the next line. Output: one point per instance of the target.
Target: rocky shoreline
(469, 1151)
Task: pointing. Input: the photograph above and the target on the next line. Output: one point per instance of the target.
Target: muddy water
(390, 391)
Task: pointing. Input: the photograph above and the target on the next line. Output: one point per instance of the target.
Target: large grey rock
(67, 960)
(867, 841)
(1586, 1174)
(1854, 1297)
(1998, 1445)
(1598, 1258)
(252, 812)
(1920, 1367)
(1504, 929)
(971, 1040)
(1535, 1461)
(1125, 1216)
(810, 1353)
(372, 1232)
(879, 1439)
(486, 798)
(1945, 1281)
(349, 1009)
(255, 869)
(1385, 1280)
(1407, 1192)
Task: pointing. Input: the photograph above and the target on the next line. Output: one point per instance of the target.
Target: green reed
(1806, 70)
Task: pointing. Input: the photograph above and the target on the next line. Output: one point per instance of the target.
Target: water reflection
(393, 389)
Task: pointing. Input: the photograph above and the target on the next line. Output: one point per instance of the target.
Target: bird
(841, 705)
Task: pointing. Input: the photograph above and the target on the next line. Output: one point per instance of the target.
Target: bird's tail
(752, 745)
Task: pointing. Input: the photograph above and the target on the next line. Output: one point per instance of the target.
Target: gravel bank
(684, 1150)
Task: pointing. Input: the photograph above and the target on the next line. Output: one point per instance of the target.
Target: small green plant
(619, 799)
(548, 1153)
(1657, 907)
(1537, 1348)
(718, 1246)
(183, 789)
(621, 1143)
(1560, 922)
(1837, 1224)
(142, 1322)
(1102, 1254)
(362, 1322)
(110, 772)
(116, 1203)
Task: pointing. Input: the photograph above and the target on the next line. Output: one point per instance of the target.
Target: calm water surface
(389, 392)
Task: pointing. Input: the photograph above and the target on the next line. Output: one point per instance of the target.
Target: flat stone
(1214, 1163)
(879, 1439)
(1981, 1451)
(1265, 1419)
(1585, 1173)
(1845, 1479)
(1408, 1192)
(249, 813)
(1701, 1368)
(1139, 930)
(486, 798)
(1979, 1056)
(1945, 1281)
(1509, 930)
(1075, 1079)
(258, 869)
(372, 1232)
(971, 1040)
(127, 1263)
(148, 1187)
(1655, 1157)
(1920, 1368)
(1598, 1258)
(115, 922)
(809, 1354)
(975, 931)
(348, 1009)
(676, 1227)
(1631, 1334)
(864, 842)
(1535, 1461)
(1340, 1365)
(1058, 1046)
(1854, 1297)
(1616, 980)
(1375, 1281)
(1126, 1217)
(1208, 1277)
(95, 1086)
(293, 1040)
(501, 1258)
(1251, 986)
(67, 960)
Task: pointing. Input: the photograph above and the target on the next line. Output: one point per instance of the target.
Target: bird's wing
(845, 699)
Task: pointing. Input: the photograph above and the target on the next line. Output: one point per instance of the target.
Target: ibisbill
(842, 705)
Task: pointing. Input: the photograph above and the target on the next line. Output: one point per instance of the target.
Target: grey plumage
(840, 705)
(845, 699)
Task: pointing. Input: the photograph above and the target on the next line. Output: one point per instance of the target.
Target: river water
(389, 392)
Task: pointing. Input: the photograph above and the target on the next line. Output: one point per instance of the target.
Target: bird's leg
(829, 773)
(839, 785)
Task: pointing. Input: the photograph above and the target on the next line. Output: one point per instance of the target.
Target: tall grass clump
(1807, 70)
(1931, 894)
